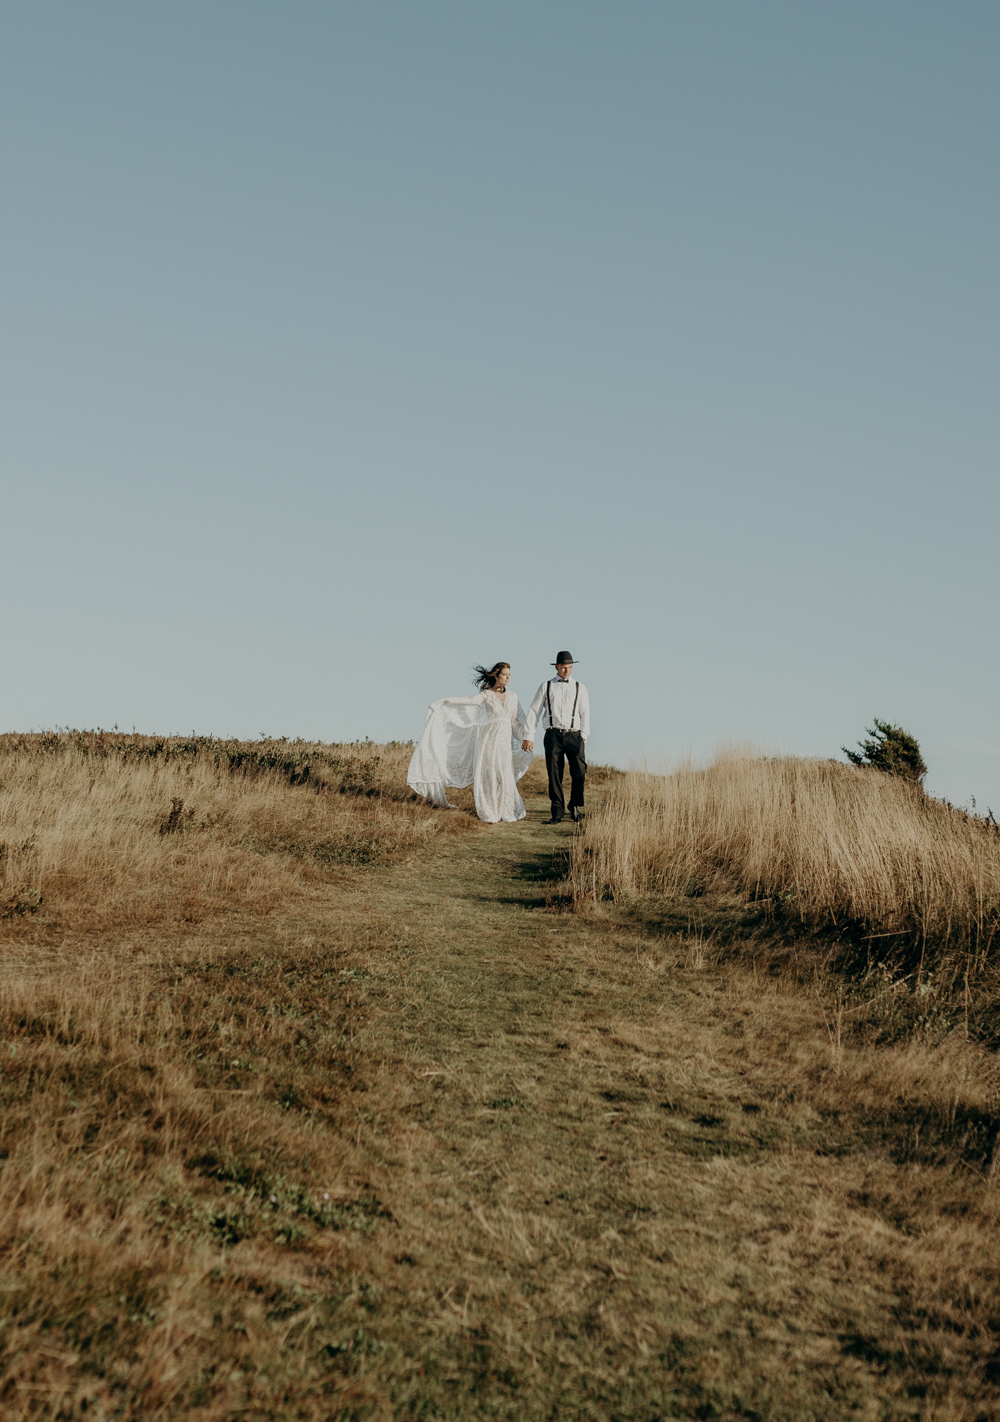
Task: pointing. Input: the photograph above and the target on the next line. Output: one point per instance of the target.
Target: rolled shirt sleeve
(584, 709)
(533, 713)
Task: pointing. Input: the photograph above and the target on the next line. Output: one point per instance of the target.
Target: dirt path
(624, 1182)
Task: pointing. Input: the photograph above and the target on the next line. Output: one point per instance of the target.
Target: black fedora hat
(562, 657)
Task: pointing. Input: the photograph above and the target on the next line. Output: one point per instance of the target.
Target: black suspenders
(548, 702)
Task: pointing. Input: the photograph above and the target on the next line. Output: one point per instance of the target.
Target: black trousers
(562, 746)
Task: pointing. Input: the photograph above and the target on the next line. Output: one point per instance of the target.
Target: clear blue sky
(344, 346)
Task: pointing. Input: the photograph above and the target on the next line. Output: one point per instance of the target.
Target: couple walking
(483, 741)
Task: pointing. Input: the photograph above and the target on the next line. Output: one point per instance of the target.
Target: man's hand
(527, 745)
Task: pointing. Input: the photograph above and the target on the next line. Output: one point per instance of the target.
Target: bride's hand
(527, 745)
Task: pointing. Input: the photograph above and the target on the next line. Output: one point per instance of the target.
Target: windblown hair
(487, 680)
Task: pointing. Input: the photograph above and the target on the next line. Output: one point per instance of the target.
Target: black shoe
(554, 821)
(575, 814)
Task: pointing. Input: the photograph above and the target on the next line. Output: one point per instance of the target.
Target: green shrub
(891, 749)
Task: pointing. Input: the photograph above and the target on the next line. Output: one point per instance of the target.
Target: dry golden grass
(151, 1116)
(136, 1156)
(824, 844)
(102, 832)
(421, 1142)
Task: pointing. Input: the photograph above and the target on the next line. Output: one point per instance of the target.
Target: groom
(564, 707)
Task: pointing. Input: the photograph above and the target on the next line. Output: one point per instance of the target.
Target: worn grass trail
(623, 1182)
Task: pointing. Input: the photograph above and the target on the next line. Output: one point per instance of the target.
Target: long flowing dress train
(473, 740)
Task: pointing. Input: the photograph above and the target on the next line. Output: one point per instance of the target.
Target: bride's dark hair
(487, 680)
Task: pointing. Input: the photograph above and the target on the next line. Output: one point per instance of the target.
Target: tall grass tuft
(823, 843)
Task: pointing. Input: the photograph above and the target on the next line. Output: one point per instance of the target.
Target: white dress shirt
(562, 695)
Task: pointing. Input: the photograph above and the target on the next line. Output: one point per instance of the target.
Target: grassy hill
(319, 1103)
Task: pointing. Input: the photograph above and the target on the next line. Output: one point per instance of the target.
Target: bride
(474, 740)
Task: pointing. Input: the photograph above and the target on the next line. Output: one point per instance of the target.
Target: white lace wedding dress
(473, 740)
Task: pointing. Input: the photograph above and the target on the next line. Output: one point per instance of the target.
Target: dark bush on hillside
(891, 749)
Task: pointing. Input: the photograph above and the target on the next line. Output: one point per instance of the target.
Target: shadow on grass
(890, 996)
(865, 1004)
(539, 880)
